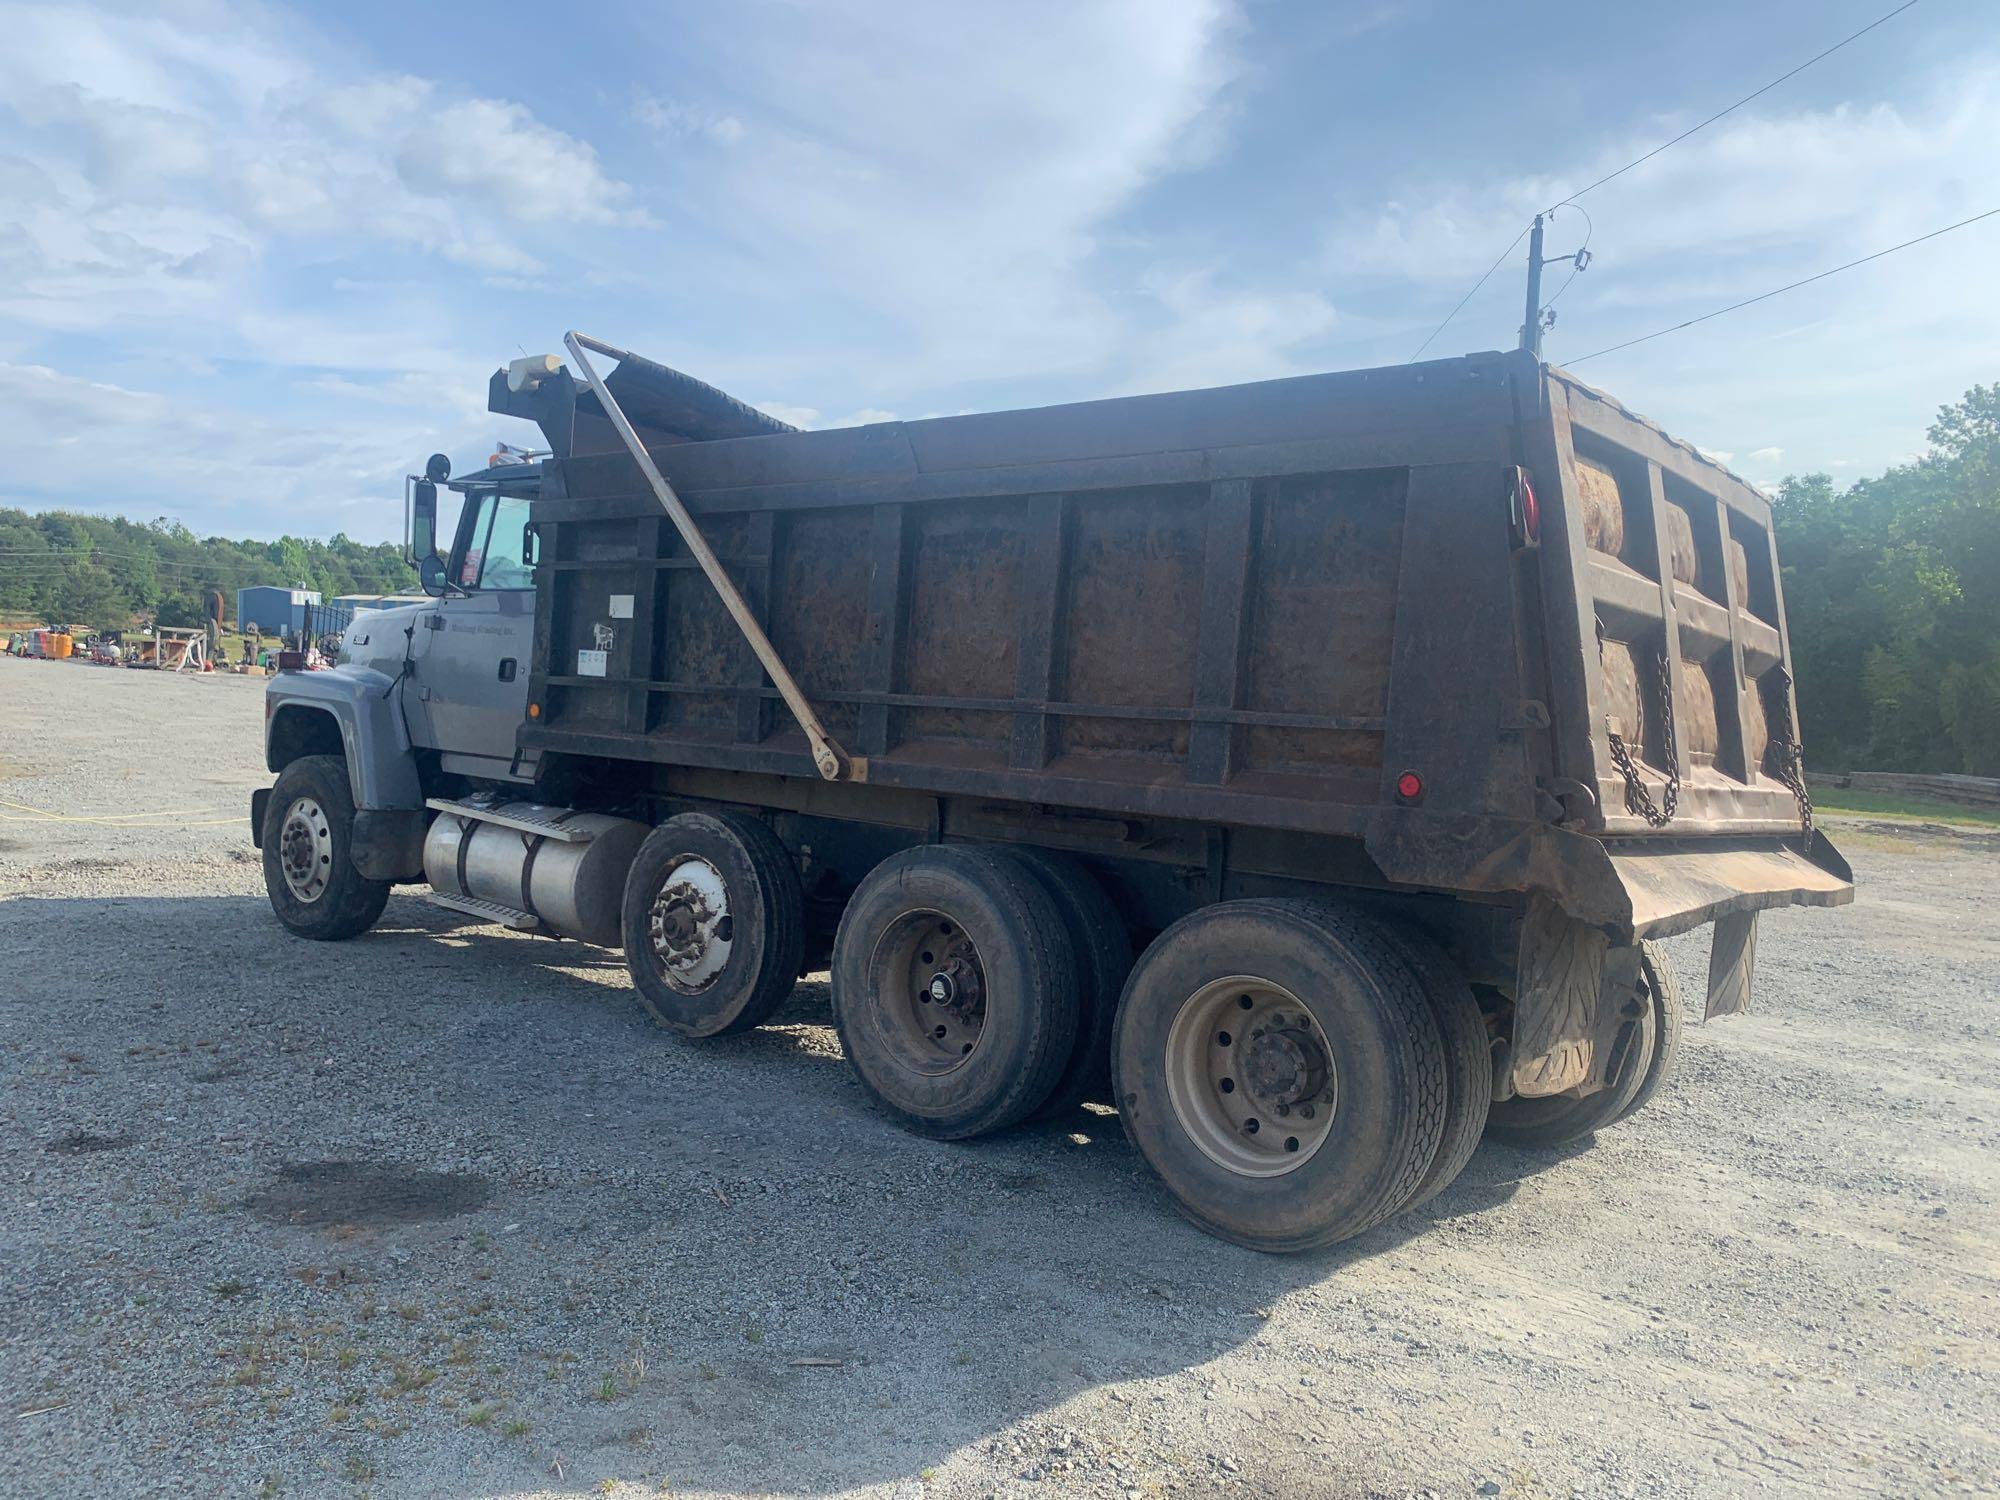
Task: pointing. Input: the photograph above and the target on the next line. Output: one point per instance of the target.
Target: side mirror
(430, 573)
(423, 520)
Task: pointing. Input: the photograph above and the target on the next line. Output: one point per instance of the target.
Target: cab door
(471, 678)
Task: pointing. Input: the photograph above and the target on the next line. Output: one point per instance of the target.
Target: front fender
(366, 708)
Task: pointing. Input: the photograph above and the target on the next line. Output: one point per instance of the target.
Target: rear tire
(1342, 1096)
(1103, 959)
(308, 840)
(713, 922)
(1665, 987)
(954, 990)
(1468, 1060)
(1548, 1121)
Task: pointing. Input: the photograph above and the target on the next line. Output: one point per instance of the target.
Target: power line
(1692, 129)
(1792, 286)
(1469, 295)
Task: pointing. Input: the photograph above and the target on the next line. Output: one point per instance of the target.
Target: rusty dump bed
(1252, 607)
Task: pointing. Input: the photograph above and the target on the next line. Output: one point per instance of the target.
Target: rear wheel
(1468, 1060)
(1665, 988)
(308, 839)
(1103, 958)
(1551, 1120)
(713, 923)
(1277, 1063)
(954, 989)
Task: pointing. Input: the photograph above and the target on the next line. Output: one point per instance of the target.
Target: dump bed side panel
(1256, 605)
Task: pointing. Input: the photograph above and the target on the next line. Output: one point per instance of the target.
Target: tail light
(1525, 511)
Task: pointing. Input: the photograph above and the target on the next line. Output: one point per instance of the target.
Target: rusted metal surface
(1252, 608)
(1672, 887)
(829, 759)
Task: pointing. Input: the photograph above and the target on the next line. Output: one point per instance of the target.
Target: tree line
(1892, 592)
(106, 572)
(1892, 599)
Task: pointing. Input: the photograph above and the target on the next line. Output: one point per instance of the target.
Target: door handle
(507, 669)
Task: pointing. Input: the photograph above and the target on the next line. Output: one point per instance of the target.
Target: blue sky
(257, 260)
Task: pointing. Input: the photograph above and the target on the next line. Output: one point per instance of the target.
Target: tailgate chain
(1637, 799)
(1791, 767)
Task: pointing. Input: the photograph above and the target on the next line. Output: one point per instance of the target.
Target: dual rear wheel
(1295, 1072)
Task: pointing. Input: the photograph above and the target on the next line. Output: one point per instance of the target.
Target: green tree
(1892, 588)
(90, 597)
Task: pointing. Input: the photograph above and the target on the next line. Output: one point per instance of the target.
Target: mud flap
(1571, 995)
(1731, 956)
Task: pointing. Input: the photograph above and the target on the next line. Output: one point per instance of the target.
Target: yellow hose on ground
(122, 821)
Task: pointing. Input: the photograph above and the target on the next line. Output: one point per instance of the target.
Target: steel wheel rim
(691, 928)
(930, 992)
(1251, 1076)
(305, 850)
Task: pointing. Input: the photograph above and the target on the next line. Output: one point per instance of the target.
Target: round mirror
(430, 573)
(437, 468)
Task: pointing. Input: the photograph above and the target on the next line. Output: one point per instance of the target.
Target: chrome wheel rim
(305, 850)
(930, 992)
(691, 926)
(1251, 1076)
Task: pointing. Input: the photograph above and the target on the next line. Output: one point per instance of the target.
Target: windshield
(496, 546)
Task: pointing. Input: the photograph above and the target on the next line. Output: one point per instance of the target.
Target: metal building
(273, 610)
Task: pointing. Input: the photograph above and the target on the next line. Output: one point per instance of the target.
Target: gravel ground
(435, 1212)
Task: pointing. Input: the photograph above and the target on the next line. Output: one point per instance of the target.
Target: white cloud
(170, 183)
(1764, 457)
(950, 175)
(675, 117)
(1764, 198)
(252, 474)
(153, 148)
(498, 157)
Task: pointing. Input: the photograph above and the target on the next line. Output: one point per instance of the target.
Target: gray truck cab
(426, 694)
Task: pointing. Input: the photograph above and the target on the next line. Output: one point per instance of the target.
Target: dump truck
(1304, 769)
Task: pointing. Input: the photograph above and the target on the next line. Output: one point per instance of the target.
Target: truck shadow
(610, 1253)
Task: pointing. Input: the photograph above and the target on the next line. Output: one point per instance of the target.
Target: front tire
(308, 840)
(1277, 1063)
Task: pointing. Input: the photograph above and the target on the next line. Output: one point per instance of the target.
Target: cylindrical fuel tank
(575, 888)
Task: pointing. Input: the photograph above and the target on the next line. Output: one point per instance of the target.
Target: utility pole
(1531, 324)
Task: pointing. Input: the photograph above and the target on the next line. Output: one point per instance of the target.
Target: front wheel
(308, 841)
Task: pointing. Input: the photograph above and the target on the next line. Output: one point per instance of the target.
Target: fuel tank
(566, 868)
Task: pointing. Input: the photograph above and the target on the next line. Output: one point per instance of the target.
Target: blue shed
(273, 610)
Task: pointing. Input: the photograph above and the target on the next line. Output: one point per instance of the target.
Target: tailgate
(1666, 630)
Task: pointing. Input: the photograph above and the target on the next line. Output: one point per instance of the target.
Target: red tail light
(1527, 510)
